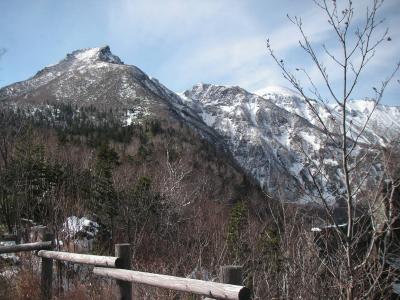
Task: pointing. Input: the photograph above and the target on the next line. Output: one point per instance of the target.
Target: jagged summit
(203, 91)
(102, 54)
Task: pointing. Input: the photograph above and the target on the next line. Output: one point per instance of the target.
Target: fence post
(123, 251)
(231, 275)
(47, 272)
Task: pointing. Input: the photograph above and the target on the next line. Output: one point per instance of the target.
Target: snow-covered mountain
(277, 138)
(87, 77)
(382, 128)
(96, 77)
(266, 140)
(273, 136)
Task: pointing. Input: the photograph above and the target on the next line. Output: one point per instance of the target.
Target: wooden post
(231, 275)
(123, 252)
(47, 272)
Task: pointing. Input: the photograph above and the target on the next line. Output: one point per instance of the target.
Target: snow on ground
(284, 139)
(89, 54)
(329, 161)
(184, 98)
(208, 118)
(312, 140)
(318, 229)
(252, 107)
(74, 225)
(296, 168)
(135, 116)
(9, 256)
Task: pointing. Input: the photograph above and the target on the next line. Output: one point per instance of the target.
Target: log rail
(118, 267)
(194, 286)
(86, 259)
(25, 247)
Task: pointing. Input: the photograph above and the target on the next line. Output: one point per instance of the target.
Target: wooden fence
(119, 267)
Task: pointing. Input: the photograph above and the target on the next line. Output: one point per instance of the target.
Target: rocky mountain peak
(218, 94)
(99, 54)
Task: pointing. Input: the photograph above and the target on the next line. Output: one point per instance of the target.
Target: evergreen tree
(26, 182)
(237, 245)
(105, 198)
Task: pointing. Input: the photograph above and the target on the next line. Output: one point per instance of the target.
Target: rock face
(278, 139)
(266, 140)
(274, 136)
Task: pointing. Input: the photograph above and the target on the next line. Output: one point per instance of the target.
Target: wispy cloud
(242, 59)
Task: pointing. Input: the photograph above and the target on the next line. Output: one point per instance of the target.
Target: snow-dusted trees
(360, 266)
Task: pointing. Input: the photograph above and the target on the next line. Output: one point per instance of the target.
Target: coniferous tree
(104, 201)
(236, 242)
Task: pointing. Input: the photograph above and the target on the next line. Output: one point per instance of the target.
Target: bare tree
(359, 266)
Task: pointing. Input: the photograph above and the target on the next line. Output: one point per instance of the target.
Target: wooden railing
(119, 267)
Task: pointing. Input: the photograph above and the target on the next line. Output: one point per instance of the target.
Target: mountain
(272, 136)
(277, 138)
(266, 140)
(96, 77)
(91, 97)
(89, 77)
(382, 128)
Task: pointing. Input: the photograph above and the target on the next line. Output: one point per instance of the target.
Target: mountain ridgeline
(270, 139)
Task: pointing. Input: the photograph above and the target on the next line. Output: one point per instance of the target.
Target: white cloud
(223, 42)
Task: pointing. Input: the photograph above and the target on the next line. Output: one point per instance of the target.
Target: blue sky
(183, 42)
